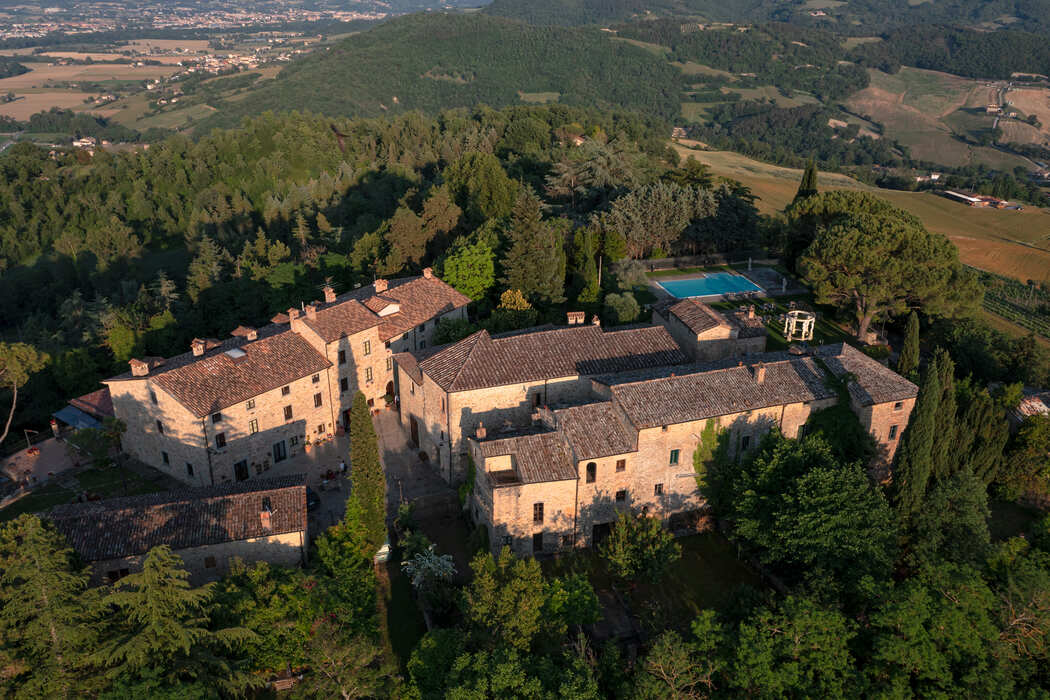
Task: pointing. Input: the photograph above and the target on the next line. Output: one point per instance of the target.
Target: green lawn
(825, 331)
(107, 483)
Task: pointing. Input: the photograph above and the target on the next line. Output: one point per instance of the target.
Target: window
(368, 347)
(318, 401)
(508, 540)
(566, 540)
(209, 562)
(342, 357)
(344, 385)
(893, 432)
(442, 404)
(253, 426)
(386, 345)
(621, 496)
(621, 465)
(216, 418)
(287, 412)
(412, 389)
(745, 443)
(153, 397)
(320, 429)
(674, 456)
(368, 374)
(189, 469)
(422, 344)
(316, 378)
(220, 440)
(389, 364)
(116, 574)
(537, 512)
(898, 406)
(164, 457)
(250, 405)
(663, 428)
(658, 490)
(160, 427)
(592, 472)
(285, 390)
(293, 440)
(537, 542)
(422, 327)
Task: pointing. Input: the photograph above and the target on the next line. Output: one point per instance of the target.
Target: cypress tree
(585, 266)
(808, 186)
(367, 480)
(45, 611)
(945, 452)
(915, 458)
(909, 357)
(981, 436)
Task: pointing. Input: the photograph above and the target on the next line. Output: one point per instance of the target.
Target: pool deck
(769, 281)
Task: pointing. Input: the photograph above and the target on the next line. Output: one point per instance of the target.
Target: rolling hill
(432, 62)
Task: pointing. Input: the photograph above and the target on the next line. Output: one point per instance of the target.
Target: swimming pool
(710, 284)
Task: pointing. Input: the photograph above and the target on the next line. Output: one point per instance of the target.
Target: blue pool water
(709, 285)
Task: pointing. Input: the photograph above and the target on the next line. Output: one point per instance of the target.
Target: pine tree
(367, 480)
(535, 262)
(45, 611)
(909, 357)
(915, 458)
(808, 186)
(945, 453)
(160, 637)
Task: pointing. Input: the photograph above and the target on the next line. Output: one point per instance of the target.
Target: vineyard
(1027, 305)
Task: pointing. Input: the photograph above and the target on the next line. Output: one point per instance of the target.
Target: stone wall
(880, 420)
(288, 549)
(713, 344)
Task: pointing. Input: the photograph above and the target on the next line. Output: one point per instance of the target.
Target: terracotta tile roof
(749, 327)
(123, 527)
(596, 430)
(1034, 403)
(695, 314)
(420, 299)
(718, 392)
(98, 403)
(871, 382)
(480, 360)
(536, 457)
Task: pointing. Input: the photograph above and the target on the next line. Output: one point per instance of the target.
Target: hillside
(431, 62)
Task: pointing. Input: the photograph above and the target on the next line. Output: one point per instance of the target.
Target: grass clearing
(1011, 243)
(177, 118)
(655, 49)
(691, 69)
(107, 483)
(538, 98)
(855, 41)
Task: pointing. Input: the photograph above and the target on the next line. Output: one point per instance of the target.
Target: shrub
(639, 546)
(622, 307)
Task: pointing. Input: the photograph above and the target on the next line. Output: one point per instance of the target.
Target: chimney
(428, 273)
(596, 321)
(760, 373)
(751, 311)
(576, 318)
(138, 367)
(329, 294)
(252, 334)
(480, 432)
(197, 346)
(311, 311)
(293, 313)
(381, 286)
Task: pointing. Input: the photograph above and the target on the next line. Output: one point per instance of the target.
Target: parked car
(313, 501)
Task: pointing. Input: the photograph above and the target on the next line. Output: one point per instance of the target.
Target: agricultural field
(1031, 101)
(29, 102)
(1010, 243)
(924, 109)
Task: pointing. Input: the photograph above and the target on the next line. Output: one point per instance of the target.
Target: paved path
(407, 478)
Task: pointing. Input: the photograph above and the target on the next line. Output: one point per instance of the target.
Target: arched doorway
(390, 388)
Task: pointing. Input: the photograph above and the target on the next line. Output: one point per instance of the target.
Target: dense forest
(783, 55)
(9, 67)
(439, 61)
(80, 124)
(965, 52)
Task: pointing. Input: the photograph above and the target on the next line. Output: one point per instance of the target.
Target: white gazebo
(798, 325)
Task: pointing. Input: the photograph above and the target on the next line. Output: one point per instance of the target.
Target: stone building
(228, 410)
(707, 334)
(260, 520)
(561, 482)
(497, 381)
